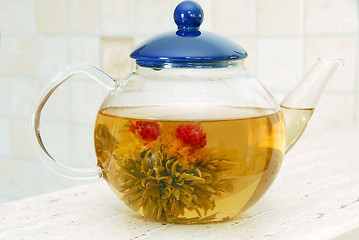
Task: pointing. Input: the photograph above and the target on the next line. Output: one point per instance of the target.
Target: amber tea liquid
(188, 165)
(296, 122)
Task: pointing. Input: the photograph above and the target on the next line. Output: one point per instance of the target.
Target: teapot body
(190, 145)
(189, 136)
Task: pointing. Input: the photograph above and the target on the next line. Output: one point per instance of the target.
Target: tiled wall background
(40, 37)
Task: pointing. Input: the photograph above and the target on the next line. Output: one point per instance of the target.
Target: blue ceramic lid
(188, 47)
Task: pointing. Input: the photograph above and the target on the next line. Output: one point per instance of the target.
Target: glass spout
(299, 104)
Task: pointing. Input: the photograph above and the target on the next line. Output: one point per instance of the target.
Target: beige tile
(18, 56)
(4, 199)
(333, 111)
(141, 39)
(5, 96)
(115, 56)
(279, 62)
(207, 14)
(57, 107)
(25, 182)
(86, 99)
(334, 47)
(56, 137)
(24, 92)
(153, 17)
(83, 152)
(52, 181)
(5, 176)
(249, 44)
(85, 49)
(330, 16)
(117, 17)
(21, 146)
(80, 182)
(279, 17)
(233, 17)
(17, 17)
(356, 110)
(5, 137)
(83, 17)
(51, 16)
(52, 55)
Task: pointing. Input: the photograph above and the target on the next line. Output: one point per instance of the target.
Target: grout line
(89, 35)
(212, 15)
(11, 176)
(333, 93)
(12, 117)
(10, 159)
(100, 36)
(134, 33)
(256, 44)
(69, 98)
(356, 74)
(304, 31)
(99, 18)
(20, 159)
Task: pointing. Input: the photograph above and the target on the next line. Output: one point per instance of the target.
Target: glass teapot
(189, 136)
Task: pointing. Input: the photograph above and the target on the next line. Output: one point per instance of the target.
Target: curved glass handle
(35, 115)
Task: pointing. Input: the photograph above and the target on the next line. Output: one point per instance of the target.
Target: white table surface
(315, 195)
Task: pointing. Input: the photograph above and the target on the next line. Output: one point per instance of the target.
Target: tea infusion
(296, 121)
(189, 171)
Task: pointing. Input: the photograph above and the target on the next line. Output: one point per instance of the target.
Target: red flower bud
(148, 131)
(191, 135)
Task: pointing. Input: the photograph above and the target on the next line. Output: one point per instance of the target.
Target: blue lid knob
(188, 14)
